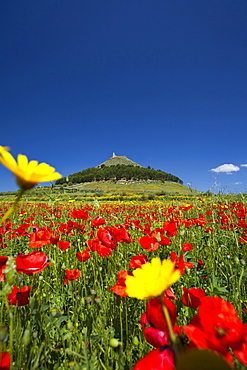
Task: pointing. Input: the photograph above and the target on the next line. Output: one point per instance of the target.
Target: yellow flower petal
(3, 148)
(28, 174)
(152, 279)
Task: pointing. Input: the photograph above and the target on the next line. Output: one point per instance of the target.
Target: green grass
(138, 187)
(107, 188)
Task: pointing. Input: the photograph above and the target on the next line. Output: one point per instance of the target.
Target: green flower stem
(173, 337)
(13, 207)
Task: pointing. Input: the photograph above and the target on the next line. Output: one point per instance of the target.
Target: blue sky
(163, 82)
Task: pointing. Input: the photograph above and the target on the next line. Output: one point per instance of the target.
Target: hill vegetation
(118, 172)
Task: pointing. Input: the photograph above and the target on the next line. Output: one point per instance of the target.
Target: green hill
(118, 168)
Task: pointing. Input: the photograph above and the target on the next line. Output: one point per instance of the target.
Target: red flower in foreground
(4, 361)
(71, 275)
(154, 323)
(158, 359)
(3, 261)
(192, 297)
(19, 297)
(218, 327)
(105, 237)
(31, 263)
(42, 237)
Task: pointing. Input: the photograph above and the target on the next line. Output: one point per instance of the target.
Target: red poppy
(154, 323)
(180, 262)
(192, 297)
(83, 256)
(158, 359)
(105, 237)
(137, 261)
(31, 263)
(79, 213)
(170, 228)
(42, 237)
(200, 262)
(63, 245)
(98, 221)
(120, 235)
(218, 327)
(101, 249)
(164, 240)
(187, 247)
(3, 261)
(4, 361)
(155, 314)
(120, 287)
(19, 297)
(149, 243)
(73, 274)
(169, 293)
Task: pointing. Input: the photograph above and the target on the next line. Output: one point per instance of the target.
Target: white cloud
(227, 168)
(238, 183)
(243, 165)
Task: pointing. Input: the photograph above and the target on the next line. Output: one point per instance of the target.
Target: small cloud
(227, 168)
(237, 183)
(243, 165)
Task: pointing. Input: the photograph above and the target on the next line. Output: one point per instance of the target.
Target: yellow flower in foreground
(152, 279)
(3, 149)
(28, 174)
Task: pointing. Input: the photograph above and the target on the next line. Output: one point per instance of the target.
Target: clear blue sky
(163, 82)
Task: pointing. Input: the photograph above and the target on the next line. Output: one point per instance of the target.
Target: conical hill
(119, 159)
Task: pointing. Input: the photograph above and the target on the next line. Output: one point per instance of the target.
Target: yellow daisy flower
(3, 148)
(152, 279)
(28, 174)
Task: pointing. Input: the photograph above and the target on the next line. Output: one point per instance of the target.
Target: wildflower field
(157, 285)
(64, 303)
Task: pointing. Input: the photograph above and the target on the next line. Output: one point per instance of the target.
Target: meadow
(64, 263)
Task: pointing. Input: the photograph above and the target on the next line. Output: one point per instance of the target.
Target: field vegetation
(70, 310)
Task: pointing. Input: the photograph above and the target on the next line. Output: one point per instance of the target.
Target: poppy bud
(26, 337)
(69, 325)
(114, 342)
(135, 341)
